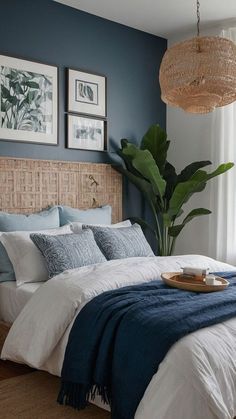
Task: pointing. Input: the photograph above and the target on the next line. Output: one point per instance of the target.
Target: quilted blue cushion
(43, 220)
(68, 251)
(119, 243)
(101, 215)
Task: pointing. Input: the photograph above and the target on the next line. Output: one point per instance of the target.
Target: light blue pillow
(101, 215)
(120, 243)
(43, 220)
(68, 251)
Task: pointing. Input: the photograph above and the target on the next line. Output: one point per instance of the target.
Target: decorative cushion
(28, 262)
(6, 268)
(65, 252)
(119, 243)
(20, 222)
(77, 227)
(101, 215)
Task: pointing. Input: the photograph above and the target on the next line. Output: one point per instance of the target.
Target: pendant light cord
(198, 27)
(198, 18)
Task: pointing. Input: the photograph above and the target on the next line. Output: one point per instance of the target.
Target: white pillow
(28, 262)
(77, 227)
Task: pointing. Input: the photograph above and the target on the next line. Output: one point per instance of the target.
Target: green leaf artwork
(26, 100)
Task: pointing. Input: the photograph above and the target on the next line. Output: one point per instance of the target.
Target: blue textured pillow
(119, 243)
(101, 215)
(19, 222)
(68, 251)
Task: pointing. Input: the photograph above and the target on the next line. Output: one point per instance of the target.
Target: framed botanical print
(28, 101)
(86, 133)
(86, 93)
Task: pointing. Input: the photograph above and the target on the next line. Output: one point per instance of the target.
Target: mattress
(13, 299)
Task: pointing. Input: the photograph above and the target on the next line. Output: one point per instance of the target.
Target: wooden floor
(10, 370)
(33, 396)
(19, 398)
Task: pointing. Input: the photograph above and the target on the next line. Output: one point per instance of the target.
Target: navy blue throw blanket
(120, 337)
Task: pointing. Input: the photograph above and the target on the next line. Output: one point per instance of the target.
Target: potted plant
(164, 190)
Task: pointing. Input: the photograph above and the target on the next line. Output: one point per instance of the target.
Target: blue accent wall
(43, 30)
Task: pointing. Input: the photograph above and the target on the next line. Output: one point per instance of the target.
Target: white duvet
(197, 378)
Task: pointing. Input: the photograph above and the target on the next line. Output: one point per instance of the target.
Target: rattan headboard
(28, 186)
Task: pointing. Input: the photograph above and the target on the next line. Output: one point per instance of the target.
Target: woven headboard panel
(28, 186)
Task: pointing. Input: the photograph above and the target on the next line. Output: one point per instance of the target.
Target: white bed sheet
(13, 299)
(192, 366)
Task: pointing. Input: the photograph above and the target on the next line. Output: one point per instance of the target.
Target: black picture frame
(94, 125)
(94, 104)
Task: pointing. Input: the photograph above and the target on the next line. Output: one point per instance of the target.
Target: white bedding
(13, 299)
(197, 378)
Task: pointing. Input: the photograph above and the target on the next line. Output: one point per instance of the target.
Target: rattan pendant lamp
(199, 74)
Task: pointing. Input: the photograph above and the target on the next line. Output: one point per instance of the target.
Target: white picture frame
(87, 93)
(28, 101)
(86, 133)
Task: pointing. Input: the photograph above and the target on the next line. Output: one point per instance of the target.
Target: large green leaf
(31, 84)
(12, 75)
(143, 185)
(170, 177)
(127, 158)
(5, 92)
(155, 140)
(5, 106)
(184, 190)
(18, 89)
(189, 170)
(175, 230)
(143, 224)
(143, 161)
(13, 100)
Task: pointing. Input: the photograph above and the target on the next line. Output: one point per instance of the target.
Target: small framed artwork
(87, 133)
(86, 93)
(28, 101)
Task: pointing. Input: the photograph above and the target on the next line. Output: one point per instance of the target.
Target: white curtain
(222, 238)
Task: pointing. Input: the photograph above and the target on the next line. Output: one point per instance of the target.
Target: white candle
(211, 280)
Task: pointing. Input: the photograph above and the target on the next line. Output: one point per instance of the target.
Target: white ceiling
(159, 17)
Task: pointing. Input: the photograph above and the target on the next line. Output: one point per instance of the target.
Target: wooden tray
(175, 279)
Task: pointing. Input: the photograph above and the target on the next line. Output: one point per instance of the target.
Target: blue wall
(47, 31)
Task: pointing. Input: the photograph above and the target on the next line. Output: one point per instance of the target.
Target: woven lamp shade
(199, 75)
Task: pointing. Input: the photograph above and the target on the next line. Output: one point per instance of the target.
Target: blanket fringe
(77, 395)
(102, 391)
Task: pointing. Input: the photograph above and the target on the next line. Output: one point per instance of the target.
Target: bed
(198, 375)
(30, 185)
(13, 299)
